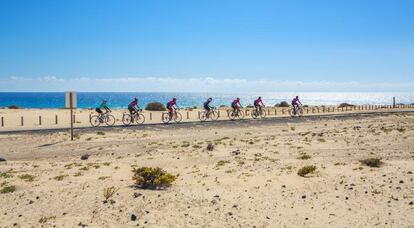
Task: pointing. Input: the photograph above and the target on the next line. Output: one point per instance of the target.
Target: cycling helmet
(297, 97)
(260, 98)
(174, 99)
(210, 98)
(135, 99)
(104, 101)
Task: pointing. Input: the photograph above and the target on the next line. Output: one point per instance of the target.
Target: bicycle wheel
(165, 117)
(214, 115)
(140, 118)
(232, 115)
(299, 112)
(178, 117)
(95, 121)
(110, 120)
(127, 119)
(254, 114)
(292, 112)
(203, 116)
(263, 113)
(241, 115)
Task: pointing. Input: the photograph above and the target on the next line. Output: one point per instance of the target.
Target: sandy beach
(249, 179)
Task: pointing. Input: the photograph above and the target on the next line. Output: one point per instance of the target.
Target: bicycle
(106, 118)
(256, 113)
(177, 117)
(212, 115)
(137, 117)
(236, 114)
(296, 111)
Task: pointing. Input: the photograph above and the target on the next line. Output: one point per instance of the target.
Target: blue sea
(121, 100)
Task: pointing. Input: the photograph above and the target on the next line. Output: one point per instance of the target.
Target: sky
(209, 45)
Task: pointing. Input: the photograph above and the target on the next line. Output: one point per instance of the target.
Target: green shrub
(372, 162)
(45, 219)
(282, 104)
(305, 170)
(27, 177)
(60, 177)
(344, 105)
(155, 106)
(13, 107)
(7, 189)
(304, 157)
(222, 162)
(7, 174)
(152, 178)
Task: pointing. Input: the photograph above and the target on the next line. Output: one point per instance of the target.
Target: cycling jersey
(207, 103)
(295, 101)
(103, 106)
(257, 102)
(170, 104)
(133, 103)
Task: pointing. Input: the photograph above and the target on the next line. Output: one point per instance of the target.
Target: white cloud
(202, 84)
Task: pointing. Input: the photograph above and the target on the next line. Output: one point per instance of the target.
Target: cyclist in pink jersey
(235, 105)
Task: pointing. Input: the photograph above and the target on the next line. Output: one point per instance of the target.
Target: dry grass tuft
(372, 162)
(309, 169)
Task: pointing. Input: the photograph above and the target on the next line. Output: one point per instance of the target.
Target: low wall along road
(37, 119)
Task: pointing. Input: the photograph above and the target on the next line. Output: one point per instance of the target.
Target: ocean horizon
(190, 99)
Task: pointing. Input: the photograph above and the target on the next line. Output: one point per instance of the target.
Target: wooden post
(150, 115)
(268, 112)
(56, 118)
(218, 114)
(71, 115)
(188, 115)
(21, 120)
(2, 121)
(74, 121)
(393, 102)
(40, 120)
(275, 112)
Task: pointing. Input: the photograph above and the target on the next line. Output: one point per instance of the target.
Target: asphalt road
(218, 124)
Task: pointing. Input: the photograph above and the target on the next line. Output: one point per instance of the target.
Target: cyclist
(235, 105)
(101, 107)
(258, 103)
(133, 107)
(295, 103)
(207, 106)
(170, 106)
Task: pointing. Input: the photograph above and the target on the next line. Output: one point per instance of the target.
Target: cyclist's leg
(131, 110)
(208, 110)
(170, 113)
(99, 111)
